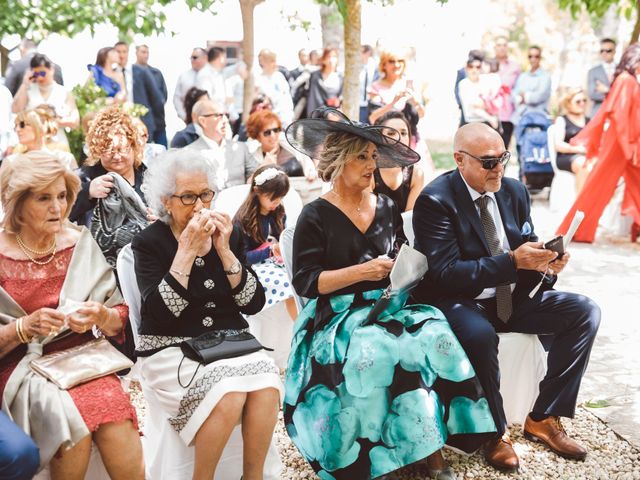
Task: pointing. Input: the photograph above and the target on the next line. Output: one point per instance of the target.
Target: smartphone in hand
(556, 245)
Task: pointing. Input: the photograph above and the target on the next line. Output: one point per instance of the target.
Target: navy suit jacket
(449, 232)
(146, 92)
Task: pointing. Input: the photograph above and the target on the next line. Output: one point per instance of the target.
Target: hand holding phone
(556, 245)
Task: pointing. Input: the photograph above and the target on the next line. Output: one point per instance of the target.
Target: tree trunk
(4, 59)
(247, 7)
(331, 24)
(352, 62)
(636, 27)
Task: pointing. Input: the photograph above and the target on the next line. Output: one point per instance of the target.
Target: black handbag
(213, 346)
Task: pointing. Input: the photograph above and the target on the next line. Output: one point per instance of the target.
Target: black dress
(564, 160)
(187, 391)
(401, 194)
(169, 311)
(365, 397)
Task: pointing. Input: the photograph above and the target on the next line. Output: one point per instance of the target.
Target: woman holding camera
(38, 87)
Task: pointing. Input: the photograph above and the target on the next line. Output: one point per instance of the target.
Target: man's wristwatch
(235, 268)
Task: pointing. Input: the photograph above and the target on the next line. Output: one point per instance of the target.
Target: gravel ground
(610, 457)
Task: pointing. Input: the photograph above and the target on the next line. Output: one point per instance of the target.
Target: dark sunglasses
(21, 124)
(534, 56)
(606, 50)
(491, 162)
(39, 73)
(214, 115)
(192, 198)
(267, 133)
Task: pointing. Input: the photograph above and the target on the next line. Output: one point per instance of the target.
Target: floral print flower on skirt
(365, 398)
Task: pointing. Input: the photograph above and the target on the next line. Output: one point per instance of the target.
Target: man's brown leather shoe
(499, 454)
(550, 432)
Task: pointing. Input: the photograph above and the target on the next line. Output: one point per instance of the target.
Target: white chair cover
(286, 248)
(522, 359)
(407, 226)
(166, 455)
(230, 199)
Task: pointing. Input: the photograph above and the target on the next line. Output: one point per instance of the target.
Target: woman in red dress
(616, 148)
(48, 265)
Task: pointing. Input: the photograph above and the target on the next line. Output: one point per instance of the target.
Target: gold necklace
(358, 207)
(29, 251)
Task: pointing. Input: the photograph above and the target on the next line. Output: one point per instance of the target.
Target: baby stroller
(536, 171)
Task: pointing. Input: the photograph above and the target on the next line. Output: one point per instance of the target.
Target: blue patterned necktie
(503, 292)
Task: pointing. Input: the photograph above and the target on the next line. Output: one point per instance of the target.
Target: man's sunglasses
(534, 56)
(192, 198)
(267, 133)
(606, 50)
(491, 162)
(39, 73)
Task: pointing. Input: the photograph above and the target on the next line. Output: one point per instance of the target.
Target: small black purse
(212, 346)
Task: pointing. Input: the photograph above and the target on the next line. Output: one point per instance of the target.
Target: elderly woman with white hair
(194, 280)
(56, 288)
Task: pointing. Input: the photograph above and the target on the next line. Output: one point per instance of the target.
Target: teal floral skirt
(364, 398)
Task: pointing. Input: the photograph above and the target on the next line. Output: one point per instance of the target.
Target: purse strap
(192, 377)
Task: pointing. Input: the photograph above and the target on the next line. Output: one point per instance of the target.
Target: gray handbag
(409, 268)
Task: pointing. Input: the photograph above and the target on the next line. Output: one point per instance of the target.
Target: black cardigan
(81, 211)
(169, 312)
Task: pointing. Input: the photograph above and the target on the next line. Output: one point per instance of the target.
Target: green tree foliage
(38, 18)
(629, 8)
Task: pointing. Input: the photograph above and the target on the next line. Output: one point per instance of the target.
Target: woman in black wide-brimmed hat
(365, 398)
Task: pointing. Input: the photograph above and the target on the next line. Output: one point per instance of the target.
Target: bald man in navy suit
(485, 262)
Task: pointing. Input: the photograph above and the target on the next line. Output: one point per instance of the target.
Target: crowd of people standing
(365, 393)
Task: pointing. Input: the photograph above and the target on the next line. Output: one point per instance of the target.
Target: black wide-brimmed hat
(308, 136)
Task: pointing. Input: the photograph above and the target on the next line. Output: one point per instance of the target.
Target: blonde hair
(108, 122)
(49, 120)
(566, 99)
(339, 149)
(30, 172)
(387, 55)
(31, 117)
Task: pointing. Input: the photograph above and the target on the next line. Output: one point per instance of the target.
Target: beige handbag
(91, 360)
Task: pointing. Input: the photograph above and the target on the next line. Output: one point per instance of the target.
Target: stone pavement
(608, 271)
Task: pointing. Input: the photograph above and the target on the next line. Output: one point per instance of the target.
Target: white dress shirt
(609, 69)
(128, 82)
(494, 211)
(213, 82)
(185, 82)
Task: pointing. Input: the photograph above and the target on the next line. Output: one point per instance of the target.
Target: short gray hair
(160, 179)
(201, 106)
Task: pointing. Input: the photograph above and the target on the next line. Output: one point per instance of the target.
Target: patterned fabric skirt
(189, 407)
(364, 398)
(275, 281)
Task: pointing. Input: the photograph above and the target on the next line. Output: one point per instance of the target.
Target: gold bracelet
(173, 270)
(22, 337)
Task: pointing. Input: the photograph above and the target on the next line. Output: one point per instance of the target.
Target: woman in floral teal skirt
(365, 398)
